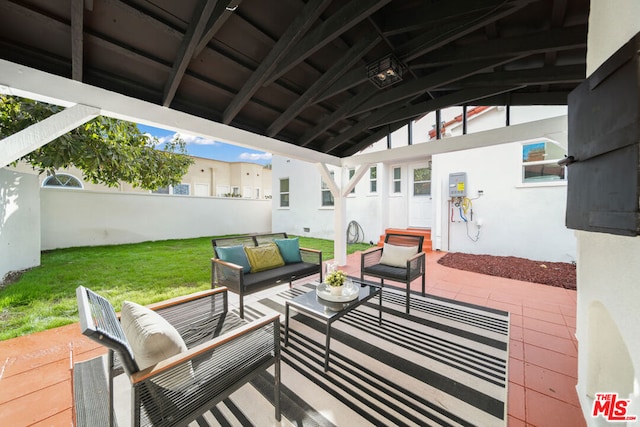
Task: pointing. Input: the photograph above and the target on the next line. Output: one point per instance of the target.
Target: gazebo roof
(301, 71)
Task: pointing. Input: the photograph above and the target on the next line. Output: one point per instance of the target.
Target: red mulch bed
(559, 274)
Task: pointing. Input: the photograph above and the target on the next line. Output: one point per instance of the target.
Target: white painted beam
(35, 84)
(35, 136)
(554, 128)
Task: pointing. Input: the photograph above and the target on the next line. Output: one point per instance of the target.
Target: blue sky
(209, 148)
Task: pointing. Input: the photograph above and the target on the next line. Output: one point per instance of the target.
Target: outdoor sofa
(251, 263)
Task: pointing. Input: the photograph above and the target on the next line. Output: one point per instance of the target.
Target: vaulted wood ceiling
(296, 70)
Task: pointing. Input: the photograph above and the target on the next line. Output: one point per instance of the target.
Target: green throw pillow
(264, 257)
(234, 255)
(289, 249)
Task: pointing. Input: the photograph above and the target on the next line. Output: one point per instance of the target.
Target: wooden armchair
(223, 352)
(403, 261)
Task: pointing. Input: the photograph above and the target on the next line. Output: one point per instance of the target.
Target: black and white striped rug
(444, 364)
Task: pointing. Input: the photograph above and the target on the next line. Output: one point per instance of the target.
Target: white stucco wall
(86, 218)
(608, 265)
(523, 220)
(19, 220)
(534, 213)
(306, 210)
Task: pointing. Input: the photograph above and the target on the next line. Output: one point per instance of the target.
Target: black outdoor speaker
(603, 192)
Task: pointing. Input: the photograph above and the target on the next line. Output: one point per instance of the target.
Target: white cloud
(189, 139)
(255, 156)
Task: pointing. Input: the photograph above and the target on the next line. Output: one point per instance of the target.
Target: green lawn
(44, 297)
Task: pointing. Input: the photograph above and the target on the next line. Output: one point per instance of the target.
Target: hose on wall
(355, 233)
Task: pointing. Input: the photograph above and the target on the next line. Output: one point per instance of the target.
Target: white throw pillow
(397, 256)
(153, 339)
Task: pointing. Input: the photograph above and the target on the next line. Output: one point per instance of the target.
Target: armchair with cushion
(183, 355)
(400, 259)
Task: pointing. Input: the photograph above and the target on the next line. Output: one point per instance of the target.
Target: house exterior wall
(305, 215)
(608, 323)
(88, 218)
(523, 220)
(19, 219)
(217, 176)
(534, 212)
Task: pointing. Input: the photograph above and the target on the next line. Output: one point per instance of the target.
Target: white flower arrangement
(336, 278)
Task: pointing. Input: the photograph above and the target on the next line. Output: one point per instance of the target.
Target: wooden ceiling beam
(535, 76)
(187, 48)
(373, 138)
(558, 97)
(292, 35)
(348, 60)
(223, 10)
(350, 80)
(348, 16)
(403, 111)
(336, 116)
(431, 81)
(435, 13)
(363, 125)
(558, 39)
(77, 39)
(439, 36)
(400, 117)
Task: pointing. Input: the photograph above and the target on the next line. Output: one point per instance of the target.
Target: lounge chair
(223, 352)
(400, 260)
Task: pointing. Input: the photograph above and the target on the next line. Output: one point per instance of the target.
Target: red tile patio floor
(35, 370)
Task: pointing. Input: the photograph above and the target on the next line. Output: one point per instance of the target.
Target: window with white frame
(422, 181)
(62, 180)
(181, 189)
(373, 179)
(327, 197)
(284, 192)
(397, 180)
(540, 162)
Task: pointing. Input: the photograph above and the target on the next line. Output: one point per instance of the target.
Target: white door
(420, 204)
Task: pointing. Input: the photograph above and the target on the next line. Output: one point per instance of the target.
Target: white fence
(19, 221)
(33, 219)
(86, 218)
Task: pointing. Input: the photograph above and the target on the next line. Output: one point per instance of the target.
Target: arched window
(62, 180)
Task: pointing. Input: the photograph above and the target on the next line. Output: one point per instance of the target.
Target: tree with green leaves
(106, 150)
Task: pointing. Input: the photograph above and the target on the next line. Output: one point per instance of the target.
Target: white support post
(340, 225)
(41, 133)
(339, 216)
(383, 190)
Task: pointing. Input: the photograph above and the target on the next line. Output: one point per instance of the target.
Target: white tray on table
(350, 291)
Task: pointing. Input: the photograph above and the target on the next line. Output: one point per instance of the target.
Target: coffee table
(328, 311)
